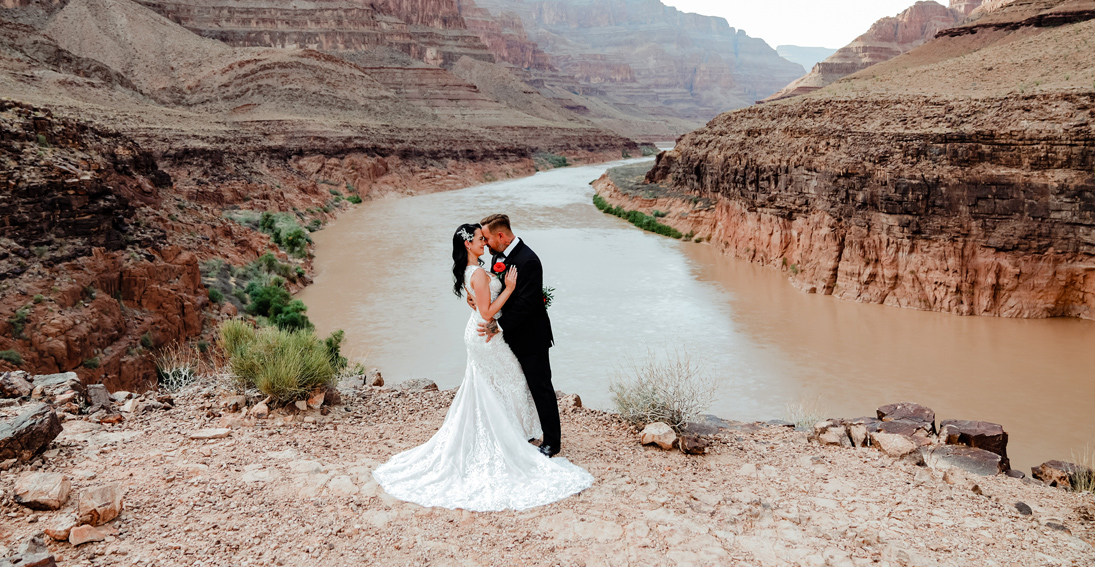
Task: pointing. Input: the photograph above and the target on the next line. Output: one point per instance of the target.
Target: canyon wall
(887, 38)
(911, 186)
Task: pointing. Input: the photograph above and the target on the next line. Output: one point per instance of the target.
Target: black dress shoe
(548, 450)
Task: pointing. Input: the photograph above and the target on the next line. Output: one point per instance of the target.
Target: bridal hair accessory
(464, 234)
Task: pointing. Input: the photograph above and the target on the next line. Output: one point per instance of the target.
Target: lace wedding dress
(480, 459)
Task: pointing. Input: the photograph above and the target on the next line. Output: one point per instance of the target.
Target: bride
(480, 459)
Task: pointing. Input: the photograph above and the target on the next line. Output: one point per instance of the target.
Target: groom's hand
(489, 330)
(471, 302)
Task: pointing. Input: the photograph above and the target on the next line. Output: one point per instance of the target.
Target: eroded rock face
(883, 199)
(887, 38)
(28, 434)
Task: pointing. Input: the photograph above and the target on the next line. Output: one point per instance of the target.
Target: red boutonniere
(498, 269)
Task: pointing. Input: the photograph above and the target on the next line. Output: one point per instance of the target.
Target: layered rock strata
(887, 38)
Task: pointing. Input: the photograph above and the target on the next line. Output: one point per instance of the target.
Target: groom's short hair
(495, 222)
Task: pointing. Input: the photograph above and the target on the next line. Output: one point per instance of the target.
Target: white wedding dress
(481, 459)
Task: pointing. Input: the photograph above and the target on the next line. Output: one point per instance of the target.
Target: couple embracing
(481, 458)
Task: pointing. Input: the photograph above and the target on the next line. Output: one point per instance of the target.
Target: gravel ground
(296, 489)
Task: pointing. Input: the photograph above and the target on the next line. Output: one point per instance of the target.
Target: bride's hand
(511, 276)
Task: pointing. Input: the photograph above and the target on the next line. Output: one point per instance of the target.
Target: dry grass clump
(177, 366)
(805, 413)
(1084, 479)
(671, 389)
(286, 365)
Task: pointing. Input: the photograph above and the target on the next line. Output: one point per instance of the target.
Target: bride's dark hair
(464, 233)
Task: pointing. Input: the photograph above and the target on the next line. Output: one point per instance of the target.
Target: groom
(525, 322)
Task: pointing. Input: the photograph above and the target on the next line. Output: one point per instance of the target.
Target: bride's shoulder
(477, 271)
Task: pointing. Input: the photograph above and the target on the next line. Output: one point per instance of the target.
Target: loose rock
(29, 434)
(976, 461)
(907, 411)
(42, 491)
(1023, 508)
(85, 534)
(832, 433)
(417, 384)
(101, 504)
(894, 445)
(374, 379)
(98, 398)
(214, 433)
(1061, 474)
(659, 434)
(316, 399)
(60, 528)
(13, 385)
(692, 445)
(978, 434)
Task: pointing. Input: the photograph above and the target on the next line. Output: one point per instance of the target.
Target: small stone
(1016, 474)
(831, 433)
(260, 410)
(332, 397)
(101, 504)
(13, 385)
(131, 406)
(85, 534)
(316, 399)
(111, 418)
(894, 445)
(121, 396)
(42, 491)
(1023, 508)
(374, 379)
(60, 528)
(417, 385)
(692, 445)
(235, 403)
(1062, 474)
(214, 433)
(659, 434)
(98, 398)
(570, 402)
(301, 405)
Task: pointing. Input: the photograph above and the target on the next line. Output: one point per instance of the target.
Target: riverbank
(295, 488)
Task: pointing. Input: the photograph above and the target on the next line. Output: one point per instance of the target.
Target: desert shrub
(659, 214)
(38, 298)
(286, 365)
(11, 356)
(146, 340)
(548, 158)
(1084, 481)
(19, 322)
(89, 291)
(637, 218)
(43, 141)
(649, 150)
(216, 295)
(805, 413)
(285, 232)
(41, 251)
(355, 199)
(670, 388)
(274, 302)
(176, 367)
(316, 224)
(335, 192)
(91, 363)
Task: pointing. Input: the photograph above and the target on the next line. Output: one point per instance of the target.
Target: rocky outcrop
(887, 38)
(29, 433)
(925, 203)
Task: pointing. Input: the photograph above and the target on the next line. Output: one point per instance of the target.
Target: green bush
(643, 221)
(91, 363)
(355, 199)
(285, 232)
(146, 340)
(216, 296)
(285, 365)
(274, 302)
(658, 214)
(11, 356)
(42, 141)
(335, 192)
(38, 298)
(19, 322)
(554, 160)
(649, 150)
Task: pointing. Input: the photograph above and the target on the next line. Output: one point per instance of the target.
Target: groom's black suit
(527, 331)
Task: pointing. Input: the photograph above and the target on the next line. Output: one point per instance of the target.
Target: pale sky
(809, 23)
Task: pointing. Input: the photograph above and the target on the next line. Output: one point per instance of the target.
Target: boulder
(260, 410)
(417, 384)
(978, 434)
(42, 491)
(61, 527)
(831, 433)
(1062, 474)
(316, 399)
(28, 434)
(85, 534)
(57, 384)
(906, 427)
(908, 411)
(98, 398)
(692, 445)
(570, 402)
(373, 378)
(895, 445)
(659, 434)
(14, 385)
(332, 397)
(970, 459)
(101, 504)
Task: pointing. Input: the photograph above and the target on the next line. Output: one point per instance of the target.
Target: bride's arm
(480, 283)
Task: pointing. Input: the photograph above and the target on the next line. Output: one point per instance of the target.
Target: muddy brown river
(383, 275)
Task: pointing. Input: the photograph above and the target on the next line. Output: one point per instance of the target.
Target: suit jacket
(524, 319)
